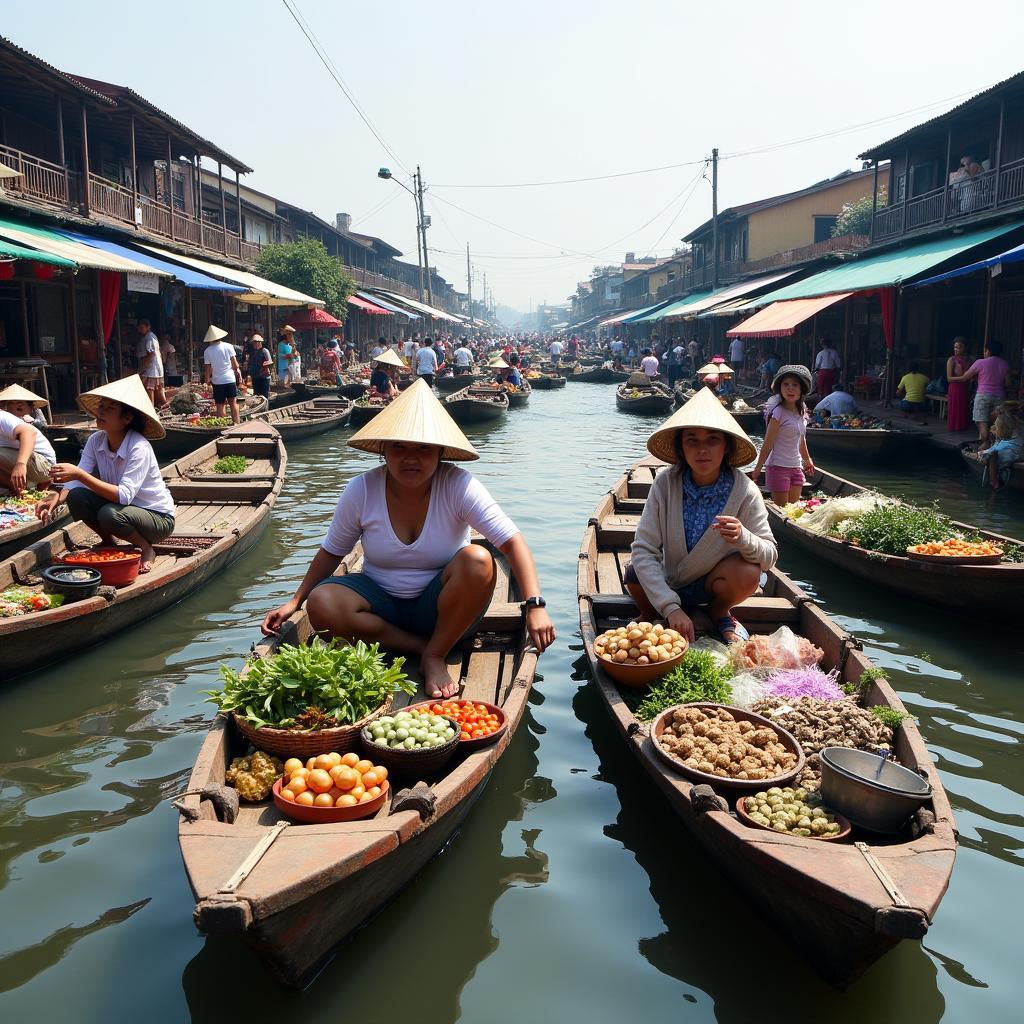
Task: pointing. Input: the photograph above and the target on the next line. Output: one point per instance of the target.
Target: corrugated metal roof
(885, 148)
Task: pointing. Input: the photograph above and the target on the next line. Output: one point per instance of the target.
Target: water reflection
(436, 932)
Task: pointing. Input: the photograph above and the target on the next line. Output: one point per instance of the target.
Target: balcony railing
(988, 191)
(39, 179)
(844, 243)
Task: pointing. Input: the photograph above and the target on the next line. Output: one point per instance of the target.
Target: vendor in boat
(423, 585)
(726, 385)
(703, 539)
(839, 403)
(385, 370)
(26, 455)
(117, 489)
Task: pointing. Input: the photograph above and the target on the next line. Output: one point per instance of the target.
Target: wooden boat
(863, 444)
(972, 589)
(447, 385)
(586, 361)
(218, 520)
(14, 538)
(184, 436)
(317, 883)
(363, 410)
(597, 375)
(281, 394)
(305, 419)
(545, 381)
(477, 405)
(825, 897)
(516, 399)
(969, 453)
(312, 388)
(565, 367)
(650, 400)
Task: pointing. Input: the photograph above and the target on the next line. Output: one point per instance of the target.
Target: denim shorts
(690, 596)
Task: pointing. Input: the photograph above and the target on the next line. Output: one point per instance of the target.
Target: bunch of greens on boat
(312, 686)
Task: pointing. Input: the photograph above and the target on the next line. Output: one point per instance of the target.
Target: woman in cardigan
(703, 538)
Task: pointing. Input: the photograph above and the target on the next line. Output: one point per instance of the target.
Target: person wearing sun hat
(784, 450)
(703, 539)
(385, 368)
(26, 455)
(422, 585)
(222, 369)
(117, 488)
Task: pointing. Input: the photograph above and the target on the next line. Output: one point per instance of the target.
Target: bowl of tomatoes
(117, 566)
(479, 723)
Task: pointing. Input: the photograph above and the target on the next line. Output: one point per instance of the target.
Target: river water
(570, 894)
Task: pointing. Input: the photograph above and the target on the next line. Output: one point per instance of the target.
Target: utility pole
(486, 307)
(714, 215)
(423, 232)
(469, 286)
(419, 245)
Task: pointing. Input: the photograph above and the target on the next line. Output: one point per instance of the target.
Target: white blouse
(133, 469)
(458, 501)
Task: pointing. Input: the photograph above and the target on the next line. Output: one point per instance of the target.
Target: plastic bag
(782, 649)
(714, 647)
(747, 690)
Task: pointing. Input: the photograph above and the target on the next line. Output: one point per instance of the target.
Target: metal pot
(873, 792)
(73, 582)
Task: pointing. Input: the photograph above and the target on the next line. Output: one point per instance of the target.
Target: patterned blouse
(702, 504)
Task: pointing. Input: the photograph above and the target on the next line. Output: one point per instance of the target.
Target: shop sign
(143, 283)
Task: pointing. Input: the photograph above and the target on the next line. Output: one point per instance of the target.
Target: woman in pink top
(784, 450)
(422, 584)
(992, 373)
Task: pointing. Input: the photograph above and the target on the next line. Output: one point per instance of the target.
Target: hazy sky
(482, 93)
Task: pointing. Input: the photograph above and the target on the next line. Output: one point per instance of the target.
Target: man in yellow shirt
(911, 389)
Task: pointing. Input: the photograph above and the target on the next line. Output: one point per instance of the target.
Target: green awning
(674, 307)
(13, 251)
(886, 268)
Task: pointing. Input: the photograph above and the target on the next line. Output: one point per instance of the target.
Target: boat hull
(18, 537)
(308, 419)
(362, 414)
(546, 383)
(449, 385)
(863, 444)
(647, 405)
(599, 375)
(977, 467)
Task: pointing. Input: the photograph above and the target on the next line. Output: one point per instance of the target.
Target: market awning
(781, 319)
(421, 307)
(886, 269)
(1014, 255)
(733, 292)
(376, 300)
(75, 252)
(629, 315)
(744, 305)
(187, 277)
(313, 319)
(673, 308)
(367, 307)
(13, 251)
(258, 291)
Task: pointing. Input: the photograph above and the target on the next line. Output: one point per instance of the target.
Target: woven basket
(411, 762)
(295, 743)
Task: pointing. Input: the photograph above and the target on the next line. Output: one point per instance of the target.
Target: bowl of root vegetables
(638, 652)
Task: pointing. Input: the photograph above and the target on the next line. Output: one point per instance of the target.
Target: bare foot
(436, 680)
(148, 558)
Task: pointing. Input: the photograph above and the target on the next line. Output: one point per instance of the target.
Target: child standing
(785, 440)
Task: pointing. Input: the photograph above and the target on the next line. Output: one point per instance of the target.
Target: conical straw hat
(708, 368)
(722, 368)
(497, 363)
(16, 393)
(418, 417)
(389, 358)
(129, 391)
(703, 410)
(214, 334)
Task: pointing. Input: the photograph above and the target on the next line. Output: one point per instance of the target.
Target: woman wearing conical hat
(423, 585)
(117, 489)
(703, 539)
(385, 368)
(26, 455)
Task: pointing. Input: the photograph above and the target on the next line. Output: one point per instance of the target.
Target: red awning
(368, 307)
(781, 319)
(310, 319)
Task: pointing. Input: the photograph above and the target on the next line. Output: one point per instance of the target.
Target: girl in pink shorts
(784, 454)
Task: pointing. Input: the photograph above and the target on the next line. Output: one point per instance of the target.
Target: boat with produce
(969, 453)
(544, 381)
(517, 397)
(791, 696)
(447, 383)
(867, 535)
(597, 375)
(18, 524)
(306, 419)
(293, 893)
(648, 399)
(186, 432)
(222, 509)
(863, 436)
(312, 387)
(477, 405)
(365, 408)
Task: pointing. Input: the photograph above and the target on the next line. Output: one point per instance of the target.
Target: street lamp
(417, 198)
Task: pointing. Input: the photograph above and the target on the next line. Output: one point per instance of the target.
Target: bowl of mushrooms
(638, 652)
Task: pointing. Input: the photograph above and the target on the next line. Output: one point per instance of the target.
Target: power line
(390, 198)
(336, 75)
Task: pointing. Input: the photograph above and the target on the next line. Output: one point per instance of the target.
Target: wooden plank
(482, 677)
(502, 617)
(507, 676)
(501, 585)
(609, 579)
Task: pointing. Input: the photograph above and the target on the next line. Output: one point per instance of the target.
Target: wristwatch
(535, 602)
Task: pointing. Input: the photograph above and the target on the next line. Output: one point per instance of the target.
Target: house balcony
(804, 253)
(971, 199)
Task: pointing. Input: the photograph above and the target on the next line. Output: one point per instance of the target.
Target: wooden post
(97, 326)
(191, 332)
(170, 185)
(24, 318)
(945, 183)
(85, 163)
(846, 342)
(238, 207)
(223, 211)
(75, 354)
(198, 170)
(135, 166)
(60, 150)
(999, 155)
(988, 309)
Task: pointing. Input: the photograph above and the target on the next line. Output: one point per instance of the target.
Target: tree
(855, 217)
(308, 267)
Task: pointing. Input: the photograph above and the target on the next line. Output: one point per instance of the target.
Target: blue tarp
(1014, 255)
(373, 297)
(189, 278)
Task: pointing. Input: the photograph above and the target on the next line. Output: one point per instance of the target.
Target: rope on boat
(897, 897)
(250, 862)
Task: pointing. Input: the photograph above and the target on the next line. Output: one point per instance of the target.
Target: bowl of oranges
(331, 787)
(955, 551)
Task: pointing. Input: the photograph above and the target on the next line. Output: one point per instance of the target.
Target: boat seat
(221, 491)
(753, 611)
(257, 448)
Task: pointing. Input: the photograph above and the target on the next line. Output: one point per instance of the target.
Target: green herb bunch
(345, 682)
(698, 678)
(231, 464)
(891, 529)
(889, 716)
